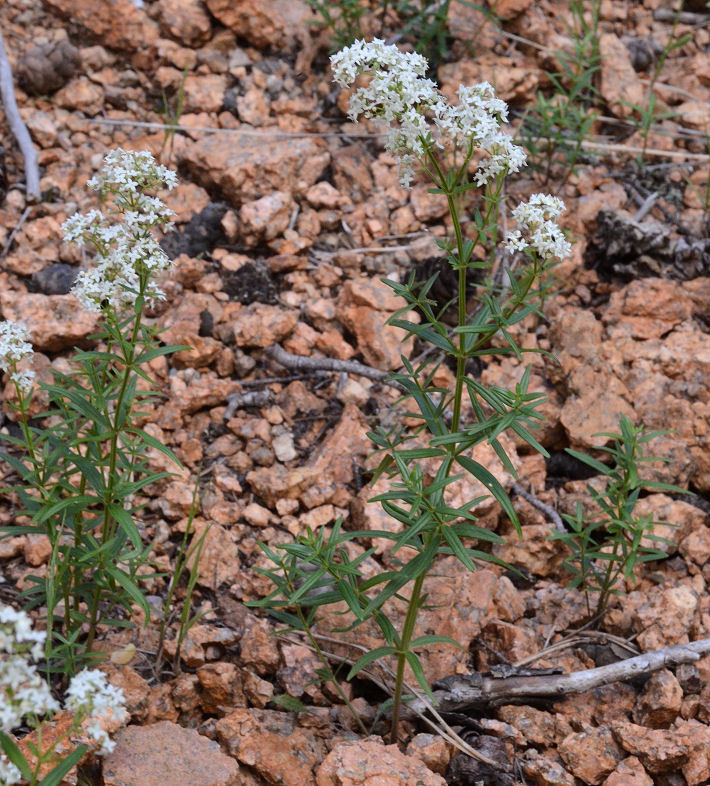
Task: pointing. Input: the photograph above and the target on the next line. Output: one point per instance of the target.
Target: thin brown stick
(300, 363)
(17, 126)
(460, 693)
(553, 515)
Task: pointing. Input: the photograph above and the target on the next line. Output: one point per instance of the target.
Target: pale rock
(36, 248)
(41, 126)
(629, 772)
(596, 402)
(370, 763)
(220, 687)
(533, 550)
(514, 80)
(185, 200)
(648, 308)
(590, 755)
(146, 755)
(545, 770)
(261, 325)
(202, 644)
(536, 726)
(272, 745)
(660, 701)
(273, 483)
(323, 195)
(248, 167)
(695, 547)
(81, 94)
(676, 519)
(257, 515)
(666, 618)
(185, 20)
(219, 561)
(37, 550)
(204, 92)
(266, 218)
(265, 24)
(282, 445)
(432, 750)
(620, 84)
(509, 9)
(352, 172)
(56, 321)
(259, 692)
(181, 326)
(118, 24)
(253, 107)
(694, 113)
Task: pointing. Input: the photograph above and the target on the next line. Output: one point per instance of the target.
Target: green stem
(407, 633)
(106, 527)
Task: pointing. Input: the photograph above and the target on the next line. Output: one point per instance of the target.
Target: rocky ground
(287, 219)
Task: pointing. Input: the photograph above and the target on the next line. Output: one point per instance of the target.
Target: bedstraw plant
(25, 699)
(464, 153)
(82, 460)
(606, 547)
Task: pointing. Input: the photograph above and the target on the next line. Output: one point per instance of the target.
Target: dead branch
(459, 693)
(17, 126)
(251, 398)
(300, 363)
(540, 505)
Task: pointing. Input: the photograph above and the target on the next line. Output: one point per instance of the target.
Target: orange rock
(147, 755)
(660, 701)
(246, 168)
(629, 772)
(56, 321)
(590, 755)
(271, 24)
(185, 20)
(370, 763)
(271, 744)
(620, 85)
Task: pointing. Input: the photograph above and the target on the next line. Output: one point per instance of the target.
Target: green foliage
(423, 24)
(607, 547)
(422, 463)
(555, 127)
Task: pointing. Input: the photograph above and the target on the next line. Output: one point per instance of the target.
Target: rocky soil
(287, 219)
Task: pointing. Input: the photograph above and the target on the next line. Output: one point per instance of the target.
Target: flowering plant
(84, 459)
(25, 697)
(460, 148)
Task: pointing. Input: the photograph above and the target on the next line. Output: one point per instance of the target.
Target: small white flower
(128, 254)
(9, 774)
(537, 218)
(14, 345)
(418, 116)
(23, 379)
(17, 635)
(89, 692)
(515, 241)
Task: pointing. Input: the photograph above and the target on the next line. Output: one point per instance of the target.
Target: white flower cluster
(14, 347)
(24, 693)
(128, 253)
(539, 231)
(417, 114)
(91, 695)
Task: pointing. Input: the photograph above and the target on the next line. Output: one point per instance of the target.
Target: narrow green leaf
(368, 658)
(56, 776)
(493, 485)
(13, 753)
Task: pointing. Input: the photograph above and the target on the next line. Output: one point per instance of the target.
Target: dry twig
(300, 363)
(19, 129)
(462, 692)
